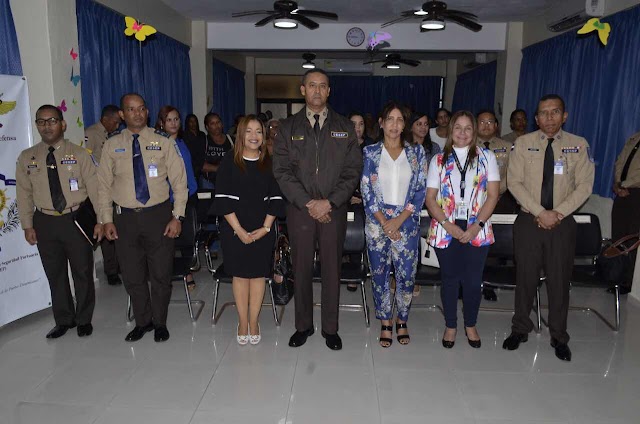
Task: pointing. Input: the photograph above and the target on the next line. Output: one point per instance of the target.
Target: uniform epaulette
(162, 133)
(111, 134)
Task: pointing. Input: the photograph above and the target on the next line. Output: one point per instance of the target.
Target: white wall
(155, 13)
(199, 75)
(508, 75)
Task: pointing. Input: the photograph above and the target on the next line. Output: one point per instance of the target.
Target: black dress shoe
(161, 334)
(300, 337)
(513, 341)
(473, 343)
(85, 330)
(113, 279)
(489, 294)
(59, 331)
(562, 350)
(621, 289)
(333, 341)
(137, 333)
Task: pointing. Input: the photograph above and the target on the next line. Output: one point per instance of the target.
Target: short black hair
(124, 96)
(109, 110)
(550, 97)
(442, 109)
(487, 111)
(210, 116)
(53, 108)
(515, 112)
(314, 71)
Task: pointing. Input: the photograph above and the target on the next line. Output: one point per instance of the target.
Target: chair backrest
(204, 207)
(425, 223)
(588, 237)
(354, 241)
(503, 246)
(187, 237)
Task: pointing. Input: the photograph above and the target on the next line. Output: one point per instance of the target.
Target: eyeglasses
(48, 122)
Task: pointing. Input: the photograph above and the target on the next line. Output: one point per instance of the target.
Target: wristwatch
(179, 218)
(480, 223)
(267, 229)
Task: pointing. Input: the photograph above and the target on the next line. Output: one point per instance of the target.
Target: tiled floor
(201, 375)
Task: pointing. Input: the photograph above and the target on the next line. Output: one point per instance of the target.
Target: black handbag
(613, 262)
(282, 286)
(85, 220)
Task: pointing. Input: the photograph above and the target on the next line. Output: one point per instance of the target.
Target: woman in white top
(462, 190)
(393, 190)
(440, 133)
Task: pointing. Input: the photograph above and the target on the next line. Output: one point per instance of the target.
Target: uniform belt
(54, 212)
(144, 209)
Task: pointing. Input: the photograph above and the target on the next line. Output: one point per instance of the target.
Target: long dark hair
(162, 117)
(448, 147)
(264, 160)
(427, 144)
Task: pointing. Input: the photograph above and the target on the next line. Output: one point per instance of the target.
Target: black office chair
(426, 275)
(350, 273)
(182, 264)
(205, 219)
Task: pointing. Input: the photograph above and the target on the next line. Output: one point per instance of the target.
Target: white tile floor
(201, 376)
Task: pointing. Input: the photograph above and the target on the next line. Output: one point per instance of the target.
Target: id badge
(153, 171)
(558, 167)
(461, 211)
(73, 184)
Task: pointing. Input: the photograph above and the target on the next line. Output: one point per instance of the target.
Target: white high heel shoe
(255, 339)
(242, 340)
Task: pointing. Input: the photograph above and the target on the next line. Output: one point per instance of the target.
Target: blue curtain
(369, 94)
(228, 92)
(599, 85)
(476, 89)
(9, 52)
(113, 64)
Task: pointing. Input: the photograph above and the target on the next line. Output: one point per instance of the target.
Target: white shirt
(437, 139)
(433, 177)
(394, 177)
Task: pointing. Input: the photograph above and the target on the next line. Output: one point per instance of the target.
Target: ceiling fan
(393, 61)
(434, 14)
(286, 15)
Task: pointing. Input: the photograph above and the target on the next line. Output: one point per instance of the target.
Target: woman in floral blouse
(393, 190)
(462, 190)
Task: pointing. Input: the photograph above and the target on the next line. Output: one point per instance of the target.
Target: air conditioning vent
(568, 22)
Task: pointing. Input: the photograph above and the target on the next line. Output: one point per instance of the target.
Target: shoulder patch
(162, 133)
(177, 149)
(113, 133)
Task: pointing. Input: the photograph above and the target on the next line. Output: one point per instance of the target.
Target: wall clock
(355, 37)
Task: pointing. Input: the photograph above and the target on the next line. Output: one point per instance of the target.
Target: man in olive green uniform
(136, 168)
(317, 163)
(551, 174)
(53, 178)
(518, 122)
(94, 139)
(625, 216)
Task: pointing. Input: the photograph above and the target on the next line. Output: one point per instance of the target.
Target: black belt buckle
(137, 209)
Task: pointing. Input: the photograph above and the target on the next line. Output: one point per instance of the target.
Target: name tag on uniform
(558, 167)
(33, 165)
(502, 150)
(338, 134)
(297, 137)
(120, 150)
(153, 171)
(461, 211)
(73, 184)
(533, 149)
(154, 148)
(68, 162)
(571, 149)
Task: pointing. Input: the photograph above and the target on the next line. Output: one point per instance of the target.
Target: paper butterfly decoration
(75, 79)
(379, 39)
(73, 54)
(74, 101)
(63, 106)
(594, 24)
(141, 31)
(79, 122)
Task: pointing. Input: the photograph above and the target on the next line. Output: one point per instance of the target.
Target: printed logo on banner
(6, 106)
(9, 220)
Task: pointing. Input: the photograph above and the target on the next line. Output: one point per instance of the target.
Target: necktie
(139, 176)
(486, 144)
(547, 178)
(627, 164)
(316, 126)
(57, 197)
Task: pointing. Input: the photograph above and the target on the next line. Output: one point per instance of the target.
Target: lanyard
(463, 172)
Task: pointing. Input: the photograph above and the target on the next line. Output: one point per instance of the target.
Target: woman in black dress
(249, 198)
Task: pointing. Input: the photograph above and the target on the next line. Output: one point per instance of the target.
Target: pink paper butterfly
(63, 106)
(73, 54)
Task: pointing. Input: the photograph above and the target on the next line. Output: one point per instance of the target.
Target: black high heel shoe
(448, 344)
(386, 342)
(473, 343)
(402, 337)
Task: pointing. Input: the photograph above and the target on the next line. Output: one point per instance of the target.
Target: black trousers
(507, 204)
(304, 233)
(551, 250)
(625, 220)
(61, 244)
(146, 260)
(109, 258)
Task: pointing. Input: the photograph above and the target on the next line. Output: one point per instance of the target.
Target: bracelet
(444, 221)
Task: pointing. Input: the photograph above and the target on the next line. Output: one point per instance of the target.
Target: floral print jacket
(438, 236)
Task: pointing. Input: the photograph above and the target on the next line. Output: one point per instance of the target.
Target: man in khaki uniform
(625, 216)
(136, 168)
(53, 178)
(551, 174)
(518, 122)
(94, 139)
